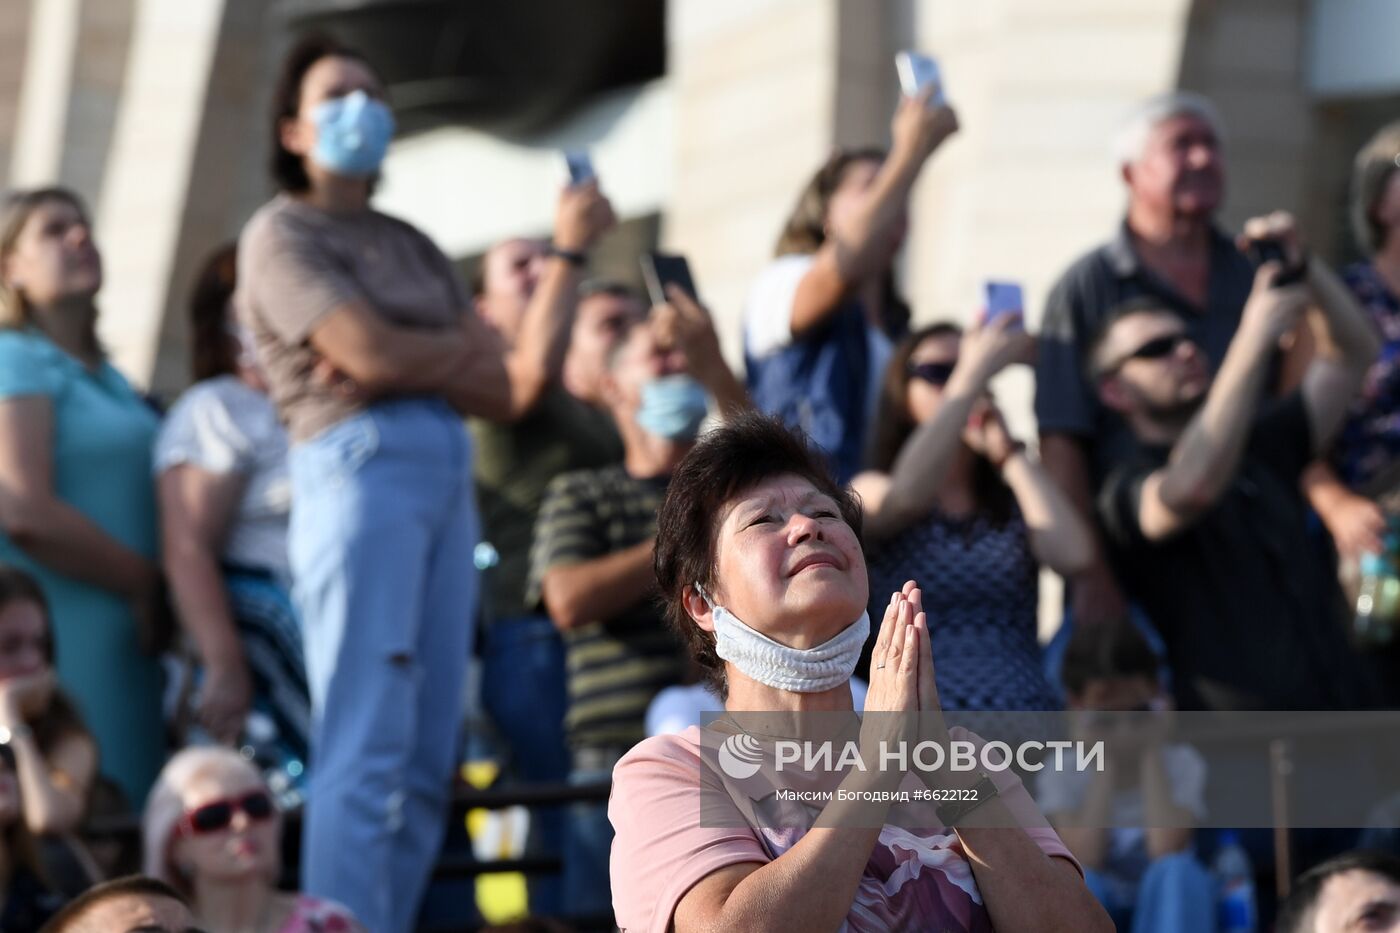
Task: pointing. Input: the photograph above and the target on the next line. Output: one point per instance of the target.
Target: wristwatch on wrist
(571, 256)
(953, 810)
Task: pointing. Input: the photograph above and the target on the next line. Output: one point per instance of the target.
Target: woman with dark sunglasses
(954, 501)
(213, 832)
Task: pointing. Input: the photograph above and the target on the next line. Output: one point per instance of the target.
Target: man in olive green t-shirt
(523, 687)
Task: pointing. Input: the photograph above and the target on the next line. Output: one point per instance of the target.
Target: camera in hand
(1270, 249)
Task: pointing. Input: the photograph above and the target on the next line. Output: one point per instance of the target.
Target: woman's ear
(294, 136)
(608, 389)
(180, 861)
(697, 608)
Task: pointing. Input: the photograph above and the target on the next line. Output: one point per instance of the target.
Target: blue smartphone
(1001, 298)
(917, 71)
(580, 166)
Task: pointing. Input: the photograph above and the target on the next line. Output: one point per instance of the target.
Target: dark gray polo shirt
(1065, 401)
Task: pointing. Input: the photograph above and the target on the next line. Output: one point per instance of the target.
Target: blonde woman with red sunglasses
(213, 832)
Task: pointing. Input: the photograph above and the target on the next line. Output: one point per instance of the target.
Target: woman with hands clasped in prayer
(954, 500)
(759, 563)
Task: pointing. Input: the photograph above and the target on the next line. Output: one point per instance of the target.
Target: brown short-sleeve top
(298, 263)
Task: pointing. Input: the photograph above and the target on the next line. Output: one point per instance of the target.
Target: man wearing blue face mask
(591, 564)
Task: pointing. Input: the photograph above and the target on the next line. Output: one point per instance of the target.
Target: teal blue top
(103, 434)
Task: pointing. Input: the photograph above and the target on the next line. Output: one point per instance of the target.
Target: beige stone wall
(95, 95)
(228, 177)
(14, 36)
(753, 84)
(50, 37)
(763, 89)
(147, 173)
(1248, 56)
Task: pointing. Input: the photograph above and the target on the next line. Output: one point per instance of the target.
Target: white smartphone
(917, 71)
(1001, 298)
(580, 166)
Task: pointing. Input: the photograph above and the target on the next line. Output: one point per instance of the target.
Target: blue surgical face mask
(352, 134)
(673, 407)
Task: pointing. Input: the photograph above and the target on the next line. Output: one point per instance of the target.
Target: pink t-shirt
(314, 915)
(914, 879)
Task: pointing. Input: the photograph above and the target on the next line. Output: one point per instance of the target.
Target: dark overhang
(510, 66)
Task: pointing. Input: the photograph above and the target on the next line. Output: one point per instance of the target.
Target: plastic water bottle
(1235, 907)
(1377, 602)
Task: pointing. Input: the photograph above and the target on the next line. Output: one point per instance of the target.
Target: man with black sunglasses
(1170, 248)
(1206, 524)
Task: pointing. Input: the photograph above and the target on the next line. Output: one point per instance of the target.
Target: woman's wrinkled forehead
(787, 489)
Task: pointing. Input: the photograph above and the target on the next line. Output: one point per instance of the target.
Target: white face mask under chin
(797, 670)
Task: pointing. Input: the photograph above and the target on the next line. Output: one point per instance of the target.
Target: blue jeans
(1176, 895)
(523, 690)
(587, 890)
(382, 531)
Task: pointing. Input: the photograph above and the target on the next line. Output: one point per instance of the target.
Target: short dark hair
(131, 885)
(1099, 652)
(1295, 913)
(1131, 307)
(288, 170)
(893, 425)
(60, 719)
(729, 461)
(212, 349)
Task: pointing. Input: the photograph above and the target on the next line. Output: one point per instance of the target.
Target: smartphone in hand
(917, 71)
(662, 269)
(1002, 298)
(580, 166)
(1270, 249)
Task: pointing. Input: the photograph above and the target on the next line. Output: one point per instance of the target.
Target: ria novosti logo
(740, 756)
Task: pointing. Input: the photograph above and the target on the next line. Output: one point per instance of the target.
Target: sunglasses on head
(212, 817)
(932, 373)
(1155, 349)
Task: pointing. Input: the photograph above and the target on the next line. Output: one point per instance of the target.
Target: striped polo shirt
(615, 665)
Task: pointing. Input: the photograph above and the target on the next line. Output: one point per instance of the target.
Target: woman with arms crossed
(373, 355)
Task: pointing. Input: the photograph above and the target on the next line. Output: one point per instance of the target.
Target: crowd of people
(267, 595)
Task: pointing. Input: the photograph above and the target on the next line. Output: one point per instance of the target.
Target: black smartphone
(1270, 249)
(662, 269)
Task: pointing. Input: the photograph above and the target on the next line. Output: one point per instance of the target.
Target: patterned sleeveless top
(981, 588)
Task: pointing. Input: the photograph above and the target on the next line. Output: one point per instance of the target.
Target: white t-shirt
(768, 321)
(1060, 791)
(676, 709)
(223, 425)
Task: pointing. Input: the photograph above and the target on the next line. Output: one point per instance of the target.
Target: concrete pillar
(146, 180)
(95, 94)
(228, 170)
(49, 49)
(14, 37)
(754, 84)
